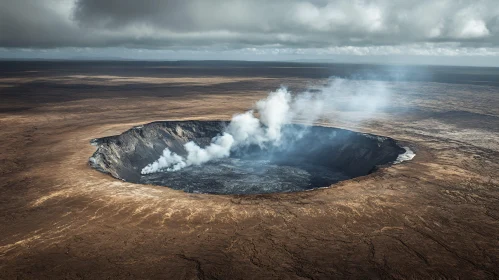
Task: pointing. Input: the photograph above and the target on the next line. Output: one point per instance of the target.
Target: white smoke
(219, 148)
(338, 98)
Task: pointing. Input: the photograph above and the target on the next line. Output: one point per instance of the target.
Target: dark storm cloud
(247, 23)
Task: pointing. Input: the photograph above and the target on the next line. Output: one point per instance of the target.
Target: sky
(449, 32)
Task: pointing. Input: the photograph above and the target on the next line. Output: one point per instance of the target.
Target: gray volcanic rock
(313, 156)
(123, 156)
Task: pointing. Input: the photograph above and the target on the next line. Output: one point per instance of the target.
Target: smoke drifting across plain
(262, 126)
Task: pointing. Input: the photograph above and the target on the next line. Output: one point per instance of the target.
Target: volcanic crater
(312, 157)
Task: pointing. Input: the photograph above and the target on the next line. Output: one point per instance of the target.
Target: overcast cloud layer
(380, 27)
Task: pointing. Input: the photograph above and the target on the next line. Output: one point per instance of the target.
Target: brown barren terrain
(434, 217)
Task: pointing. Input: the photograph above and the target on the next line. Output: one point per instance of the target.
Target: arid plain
(435, 217)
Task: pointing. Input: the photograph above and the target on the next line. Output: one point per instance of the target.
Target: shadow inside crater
(310, 157)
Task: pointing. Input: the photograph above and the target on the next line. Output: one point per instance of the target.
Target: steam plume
(337, 99)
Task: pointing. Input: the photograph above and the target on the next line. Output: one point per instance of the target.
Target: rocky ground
(436, 216)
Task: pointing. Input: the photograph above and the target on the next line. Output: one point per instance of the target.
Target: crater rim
(113, 147)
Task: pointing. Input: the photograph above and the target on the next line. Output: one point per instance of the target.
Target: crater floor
(246, 176)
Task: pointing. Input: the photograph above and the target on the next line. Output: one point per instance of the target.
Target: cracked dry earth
(435, 217)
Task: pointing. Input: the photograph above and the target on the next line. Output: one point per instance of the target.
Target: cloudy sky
(380, 31)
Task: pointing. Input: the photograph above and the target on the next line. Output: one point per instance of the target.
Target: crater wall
(354, 154)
